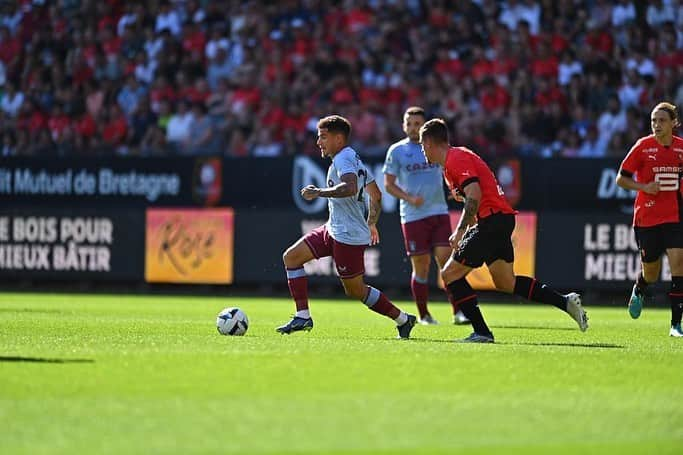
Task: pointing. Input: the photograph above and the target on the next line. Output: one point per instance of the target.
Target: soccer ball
(232, 321)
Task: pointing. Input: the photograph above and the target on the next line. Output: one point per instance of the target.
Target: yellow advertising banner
(189, 246)
(524, 242)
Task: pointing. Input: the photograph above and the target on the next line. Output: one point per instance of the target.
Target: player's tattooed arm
(347, 187)
(457, 196)
(375, 206)
(469, 212)
(374, 209)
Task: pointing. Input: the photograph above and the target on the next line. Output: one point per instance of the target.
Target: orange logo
(524, 242)
(189, 246)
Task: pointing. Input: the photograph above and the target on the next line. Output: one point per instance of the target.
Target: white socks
(305, 314)
(401, 319)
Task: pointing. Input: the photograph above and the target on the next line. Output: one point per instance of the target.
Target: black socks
(531, 289)
(464, 295)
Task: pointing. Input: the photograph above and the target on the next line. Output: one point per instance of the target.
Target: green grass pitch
(84, 374)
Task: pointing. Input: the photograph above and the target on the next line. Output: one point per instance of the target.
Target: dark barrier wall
(584, 237)
(588, 251)
(580, 250)
(122, 182)
(531, 184)
(72, 244)
(574, 184)
(266, 183)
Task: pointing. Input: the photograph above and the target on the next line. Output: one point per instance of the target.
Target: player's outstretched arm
(347, 187)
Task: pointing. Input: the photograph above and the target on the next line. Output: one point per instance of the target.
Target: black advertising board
(114, 181)
(588, 251)
(274, 183)
(573, 184)
(72, 244)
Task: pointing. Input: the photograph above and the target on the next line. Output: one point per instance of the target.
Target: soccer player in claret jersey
(346, 234)
(483, 234)
(654, 167)
(425, 222)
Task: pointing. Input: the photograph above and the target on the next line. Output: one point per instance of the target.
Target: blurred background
(165, 141)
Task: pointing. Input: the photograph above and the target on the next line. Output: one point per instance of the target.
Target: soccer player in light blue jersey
(350, 228)
(425, 222)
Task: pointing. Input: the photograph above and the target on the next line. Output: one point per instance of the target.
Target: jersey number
(668, 181)
(364, 175)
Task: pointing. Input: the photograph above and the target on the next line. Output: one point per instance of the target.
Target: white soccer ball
(232, 321)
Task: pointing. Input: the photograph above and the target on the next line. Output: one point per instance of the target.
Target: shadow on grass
(428, 340)
(29, 310)
(573, 345)
(5, 358)
(512, 343)
(531, 327)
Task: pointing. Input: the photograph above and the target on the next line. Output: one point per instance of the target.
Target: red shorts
(421, 236)
(348, 259)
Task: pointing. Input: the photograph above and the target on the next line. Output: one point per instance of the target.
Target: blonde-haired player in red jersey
(654, 167)
(483, 235)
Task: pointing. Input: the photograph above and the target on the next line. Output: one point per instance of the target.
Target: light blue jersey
(348, 215)
(415, 176)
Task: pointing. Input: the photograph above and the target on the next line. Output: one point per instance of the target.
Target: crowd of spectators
(573, 78)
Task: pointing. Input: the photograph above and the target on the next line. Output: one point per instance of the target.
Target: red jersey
(463, 167)
(649, 161)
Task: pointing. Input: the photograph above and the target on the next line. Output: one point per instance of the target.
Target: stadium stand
(569, 78)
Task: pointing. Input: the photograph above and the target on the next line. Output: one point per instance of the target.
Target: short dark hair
(670, 109)
(435, 130)
(335, 124)
(415, 110)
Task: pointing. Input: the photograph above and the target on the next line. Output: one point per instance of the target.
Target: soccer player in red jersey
(654, 167)
(483, 234)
